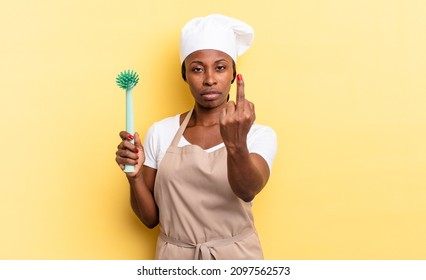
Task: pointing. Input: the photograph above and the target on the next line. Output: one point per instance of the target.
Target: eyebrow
(200, 62)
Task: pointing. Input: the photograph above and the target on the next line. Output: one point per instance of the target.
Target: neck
(206, 116)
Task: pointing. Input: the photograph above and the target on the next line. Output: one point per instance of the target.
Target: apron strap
(204, 248)
(182, 127)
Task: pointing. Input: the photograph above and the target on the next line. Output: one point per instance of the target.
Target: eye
(197, 69)
(221, 68)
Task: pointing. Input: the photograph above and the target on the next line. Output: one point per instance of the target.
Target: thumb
(138, 142)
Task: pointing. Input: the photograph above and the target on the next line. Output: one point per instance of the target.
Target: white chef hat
(216, 32)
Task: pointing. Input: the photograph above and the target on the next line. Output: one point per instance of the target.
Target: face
(209, 74)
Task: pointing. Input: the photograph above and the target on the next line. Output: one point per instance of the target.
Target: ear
(183, 71)
(234, 71)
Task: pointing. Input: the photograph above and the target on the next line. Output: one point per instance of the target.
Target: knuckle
(126, 145)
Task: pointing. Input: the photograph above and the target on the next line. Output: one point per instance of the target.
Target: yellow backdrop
(341, 82)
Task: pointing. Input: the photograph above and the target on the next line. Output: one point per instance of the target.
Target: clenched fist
(128, 153)
(236, 120)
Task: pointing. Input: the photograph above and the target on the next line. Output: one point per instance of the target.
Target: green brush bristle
(127, 79)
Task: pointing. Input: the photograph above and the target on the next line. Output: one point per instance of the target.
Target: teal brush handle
(127, 80)
(130, 123)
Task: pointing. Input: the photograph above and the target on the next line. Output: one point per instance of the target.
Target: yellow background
(341, 82)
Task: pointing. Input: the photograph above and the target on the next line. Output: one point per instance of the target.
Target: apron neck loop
(182, 128)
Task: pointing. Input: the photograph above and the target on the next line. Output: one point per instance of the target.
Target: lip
(210, 94)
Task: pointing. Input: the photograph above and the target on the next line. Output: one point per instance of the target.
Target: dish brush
(127, 80)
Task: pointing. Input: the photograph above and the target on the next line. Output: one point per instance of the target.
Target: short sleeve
(158, 139)
(151, 148)
(262, 140)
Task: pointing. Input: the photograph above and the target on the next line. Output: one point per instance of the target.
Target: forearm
(142, 202)
(245, 173)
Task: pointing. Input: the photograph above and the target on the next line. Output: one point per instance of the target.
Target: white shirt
(261, 140)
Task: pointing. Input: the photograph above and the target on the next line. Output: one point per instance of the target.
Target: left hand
(236, 119)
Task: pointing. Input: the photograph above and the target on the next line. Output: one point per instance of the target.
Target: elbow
(247, 192)
(247, 196)
(149, 222)
(150, 225)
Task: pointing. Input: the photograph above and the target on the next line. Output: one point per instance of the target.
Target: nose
(209, 78)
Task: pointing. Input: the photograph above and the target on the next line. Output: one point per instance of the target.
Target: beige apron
(200, 216)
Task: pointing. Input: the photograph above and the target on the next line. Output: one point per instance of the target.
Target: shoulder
(158, 139)
(163, 128)
(262, 140)
(261, 131)
(166, 124)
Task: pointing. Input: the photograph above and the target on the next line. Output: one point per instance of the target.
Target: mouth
(210, 94)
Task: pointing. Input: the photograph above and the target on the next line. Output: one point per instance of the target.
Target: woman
(197, 173)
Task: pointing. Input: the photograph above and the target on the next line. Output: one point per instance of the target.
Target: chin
(211, 104)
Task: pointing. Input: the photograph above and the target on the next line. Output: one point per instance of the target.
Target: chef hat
(217, 32)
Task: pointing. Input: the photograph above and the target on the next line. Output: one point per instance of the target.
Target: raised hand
(236, 119)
